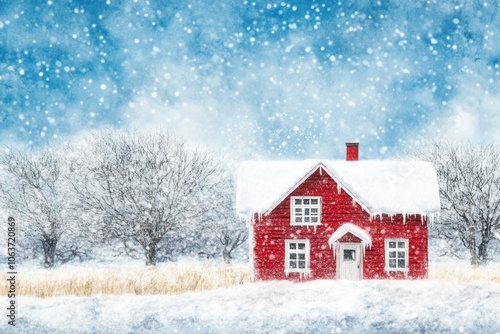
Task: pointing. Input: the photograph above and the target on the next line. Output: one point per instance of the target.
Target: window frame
(397, 249)
(294, 206)
(351, 251)
(306, 251)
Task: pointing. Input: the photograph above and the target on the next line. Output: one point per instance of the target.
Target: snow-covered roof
(366, 240)
(385, 186)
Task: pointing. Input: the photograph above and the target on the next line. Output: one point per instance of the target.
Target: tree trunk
(483, 252)
(49, 251)
(150, 253)
(473, 257)
(226, 254)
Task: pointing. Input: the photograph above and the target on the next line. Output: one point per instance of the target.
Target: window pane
(392, 244)
(293, 264)
(307, 219)
(401, 244)
(298, 210)
(302, 245)
(314, 219)
(349, 254)
(392, 263)
(302, 256)
(292, 245)
(293, 256)
(392, 254)
(298, 201)
(401, 255)
(314, 211)
(307, 211)
(314, 201)
(401, 263)
(298, 219)
(302, 264)
(306, 201)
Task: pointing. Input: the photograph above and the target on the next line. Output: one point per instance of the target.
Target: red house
(323, 219)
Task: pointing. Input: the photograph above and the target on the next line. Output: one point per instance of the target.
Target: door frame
(340, 255)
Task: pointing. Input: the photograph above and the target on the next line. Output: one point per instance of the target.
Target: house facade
(323, 219)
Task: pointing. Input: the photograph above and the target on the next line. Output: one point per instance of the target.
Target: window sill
(301, 225)
(302, 272)
(394, 270)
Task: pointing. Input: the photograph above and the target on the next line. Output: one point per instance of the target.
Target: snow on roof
(353, 229)
(389, 187)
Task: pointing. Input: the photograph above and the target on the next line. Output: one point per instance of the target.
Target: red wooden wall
(271, 231)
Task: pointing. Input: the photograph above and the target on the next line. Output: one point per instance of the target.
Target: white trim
(407, 255)
(306, 251)
(282, 198)
(357, 231)
(334, 177)
(293, 206)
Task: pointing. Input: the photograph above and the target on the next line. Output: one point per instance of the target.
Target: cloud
(275, 79)
(473, 116)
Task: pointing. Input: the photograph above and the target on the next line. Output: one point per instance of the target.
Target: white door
(349, 262)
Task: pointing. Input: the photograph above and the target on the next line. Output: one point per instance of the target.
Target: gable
(381, 187)
(261, 184)
(353, 230)
(349, 237)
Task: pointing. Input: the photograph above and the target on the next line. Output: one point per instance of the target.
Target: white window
(297, 256)
(305, 210)
(396, 255)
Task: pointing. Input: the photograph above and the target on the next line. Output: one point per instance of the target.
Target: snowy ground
(430, 306)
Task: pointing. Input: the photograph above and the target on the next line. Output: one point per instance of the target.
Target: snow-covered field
(431, 306)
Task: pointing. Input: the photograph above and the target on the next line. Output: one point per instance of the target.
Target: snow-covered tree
(469, 182)
(145, 189)
(219, 231)
(231, 235)
(35, 190)
(227, 228)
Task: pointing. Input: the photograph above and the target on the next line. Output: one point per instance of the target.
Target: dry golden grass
(169, 279)
(178, 278)
(464, 273)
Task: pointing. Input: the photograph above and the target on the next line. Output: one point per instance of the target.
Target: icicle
(335, 251)
(373, 216)
(251, 248)
(321, 171)
(404, 218)
(339, 188)
(432, 217)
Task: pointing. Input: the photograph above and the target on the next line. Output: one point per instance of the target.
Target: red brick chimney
(352, 152)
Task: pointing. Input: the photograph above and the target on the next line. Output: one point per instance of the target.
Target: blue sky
(263, 79)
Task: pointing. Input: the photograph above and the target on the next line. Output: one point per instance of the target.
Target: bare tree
(231, 236)
(219, 231)
(228, 229)
(469, 182)
(145, 188)
(34, 188)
